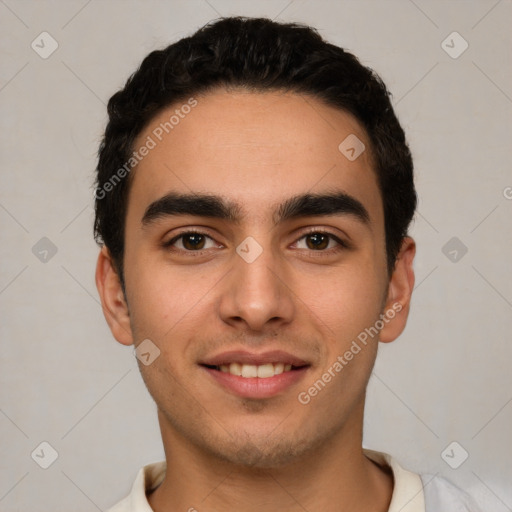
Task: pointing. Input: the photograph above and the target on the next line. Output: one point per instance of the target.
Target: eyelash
(342, 245)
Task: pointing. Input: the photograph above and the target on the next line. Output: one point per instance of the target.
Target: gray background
(66, 381)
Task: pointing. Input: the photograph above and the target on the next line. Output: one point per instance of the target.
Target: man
(254, 191)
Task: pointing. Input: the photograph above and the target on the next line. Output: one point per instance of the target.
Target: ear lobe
(112, 298)
(400, 290)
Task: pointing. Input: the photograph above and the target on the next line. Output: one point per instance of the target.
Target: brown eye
(193, 241)
(322, 242)
(190, 241)
(317, 241)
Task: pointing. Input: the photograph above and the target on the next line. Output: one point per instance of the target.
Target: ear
(112, 298)
(401, 285)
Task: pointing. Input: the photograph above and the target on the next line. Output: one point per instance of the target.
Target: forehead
(255, 148)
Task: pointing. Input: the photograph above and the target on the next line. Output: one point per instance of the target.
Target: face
(256, 293)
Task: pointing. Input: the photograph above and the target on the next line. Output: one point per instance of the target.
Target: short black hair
(257, 54)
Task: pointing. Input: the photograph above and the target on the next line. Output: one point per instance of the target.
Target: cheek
(346, 299)
(164, 300)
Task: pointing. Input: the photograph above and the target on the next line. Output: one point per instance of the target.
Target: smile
(262, 371)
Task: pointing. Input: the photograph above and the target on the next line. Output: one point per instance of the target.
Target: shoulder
(148, 478)
(443, 496)
(422, 492)
(122, 506)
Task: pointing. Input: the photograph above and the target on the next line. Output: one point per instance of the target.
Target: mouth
(251, 371)
(255, 376)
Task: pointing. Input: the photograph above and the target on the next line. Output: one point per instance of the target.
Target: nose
(257, 295)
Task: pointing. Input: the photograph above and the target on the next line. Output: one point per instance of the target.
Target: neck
(336, 476)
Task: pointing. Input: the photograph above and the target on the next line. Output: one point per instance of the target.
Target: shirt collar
(407, 489)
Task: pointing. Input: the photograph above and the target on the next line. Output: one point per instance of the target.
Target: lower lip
(254, 387)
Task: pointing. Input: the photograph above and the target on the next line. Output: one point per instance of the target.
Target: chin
(261, 448)
(264, 455)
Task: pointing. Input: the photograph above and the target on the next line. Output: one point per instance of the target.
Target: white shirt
(411, 492)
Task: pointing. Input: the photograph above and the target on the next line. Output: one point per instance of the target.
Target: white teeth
(262, 371)
(249, 370)
(235, 369)
(265, 371)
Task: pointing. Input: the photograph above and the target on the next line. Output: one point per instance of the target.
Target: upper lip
(244, 357)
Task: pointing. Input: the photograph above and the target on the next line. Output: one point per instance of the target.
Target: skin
(224, 452)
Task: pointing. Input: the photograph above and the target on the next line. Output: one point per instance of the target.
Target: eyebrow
(216, 207)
